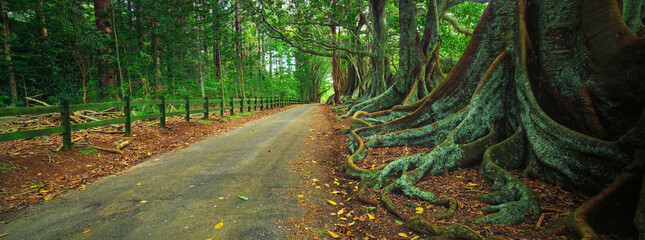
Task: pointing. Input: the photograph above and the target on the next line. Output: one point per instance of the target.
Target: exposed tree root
(386, 100)
(513, 199)
(453, 231)
(613, 209)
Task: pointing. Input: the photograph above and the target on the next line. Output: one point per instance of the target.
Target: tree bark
(7, 57)
(40, 15)
(238, 46)
(198, 47)
(104, 25)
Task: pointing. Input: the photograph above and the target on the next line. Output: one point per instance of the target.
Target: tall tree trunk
(217, 55)
(379, 46)
(118, 58)
(156, 55)
(335, 59)
(7, 56)
(40, 15)
(238, 44)
(198, 47)
(104, 24)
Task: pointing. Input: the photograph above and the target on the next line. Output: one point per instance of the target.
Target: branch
(455, 23)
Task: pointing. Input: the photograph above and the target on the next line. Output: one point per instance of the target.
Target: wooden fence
(65, 109)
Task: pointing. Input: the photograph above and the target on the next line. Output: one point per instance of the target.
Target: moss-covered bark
(531, 76)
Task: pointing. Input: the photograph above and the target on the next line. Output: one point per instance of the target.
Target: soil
(33, 171)
(348, 218)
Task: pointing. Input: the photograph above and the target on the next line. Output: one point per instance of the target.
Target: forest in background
(92, 51)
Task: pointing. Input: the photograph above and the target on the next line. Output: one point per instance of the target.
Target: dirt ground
(344, 217)
(32, 171)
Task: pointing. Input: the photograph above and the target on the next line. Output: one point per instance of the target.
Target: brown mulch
(351, 219)
(32, 171)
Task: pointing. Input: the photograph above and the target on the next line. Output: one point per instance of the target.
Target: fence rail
(65, 109)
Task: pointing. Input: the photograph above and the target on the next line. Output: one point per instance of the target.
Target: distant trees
(70, 49)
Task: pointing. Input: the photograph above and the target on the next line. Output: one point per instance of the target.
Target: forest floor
(352, 219)
(32, 171)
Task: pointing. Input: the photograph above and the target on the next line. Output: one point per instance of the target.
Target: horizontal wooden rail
(65, 110)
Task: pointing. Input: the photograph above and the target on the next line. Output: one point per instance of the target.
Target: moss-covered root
(452, 231)
(513, 199)
(612, 210)
(384, 101)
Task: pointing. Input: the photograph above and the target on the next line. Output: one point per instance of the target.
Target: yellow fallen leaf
(337, 183)
(341, 211)
(331, 202)
(127, 171)
(333, 234)
(301, 195)
(315, 180)
(48, 197)
(351, 223)
(156, 159)
(317, 187)
(414, 238)
(219, 225)
(220, 198)
(335, 192)
(419, 210)
(472, 184)
(86, 231)
(403, 235)
(5, 234)
(138, 184)
(313, 161)
(44, 190)
(143, 201)
(459, 176)
(369, 215)
(82, 187)
(344, 219)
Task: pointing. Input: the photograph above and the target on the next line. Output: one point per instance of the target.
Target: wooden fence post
(65, 121)
(205, 108)
(261, 104)
(232, 106)
(187, 108)
(248, 105)
(162, 110)
(255, 106)
(221, 106)
(127, 111)
(242, 105)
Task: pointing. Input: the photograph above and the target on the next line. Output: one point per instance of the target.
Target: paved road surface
(182, 191)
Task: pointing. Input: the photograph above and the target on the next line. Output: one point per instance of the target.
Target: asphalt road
(184, 194)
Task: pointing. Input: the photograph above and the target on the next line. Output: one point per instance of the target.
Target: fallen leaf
(398, 222)
(220, 198)
(369, 215)
(138, 184)
(315, 180)
(301, 195)
(403, 235)
(82, 187)
(414, 238)
(419, 210)
(331, 202)
(313, 161)
(351, 223)
(335, 192)
(48, 197)
(370, 208)
(341, 211)
(342, 218)
(242, 197)
(472, 184)
(86, 231)
(143, 201)
(317, 187)
(219, 225)
(2, 235)
(332, 234)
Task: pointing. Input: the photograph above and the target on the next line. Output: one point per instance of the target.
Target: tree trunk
(7, 57)
(238, 46)
(104, 24)
(199, 53)
(40, 15)
(553, 88)
(156, 54)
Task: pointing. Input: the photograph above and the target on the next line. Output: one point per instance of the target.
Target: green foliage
(453, 43)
